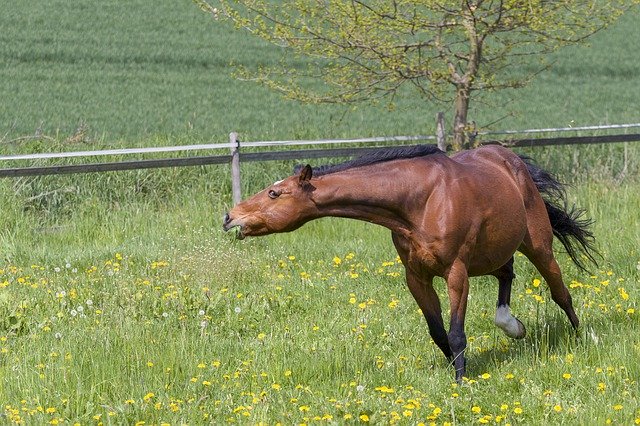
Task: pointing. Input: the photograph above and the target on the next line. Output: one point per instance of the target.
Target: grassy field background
(139, 69)
(122, 301)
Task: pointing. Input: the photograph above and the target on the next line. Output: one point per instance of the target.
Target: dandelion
(557, 408)
(536, 282)
(485, 376)
(364, 418)
(623, 293)
(566, 376)
(237, 309)
(517, 410)
(617, 407)
(475, 409)
(385, 389)
(201, 312)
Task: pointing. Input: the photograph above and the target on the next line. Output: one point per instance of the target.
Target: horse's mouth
(228, 224)
(239, 231)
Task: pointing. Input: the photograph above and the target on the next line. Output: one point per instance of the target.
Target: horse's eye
(273, 194)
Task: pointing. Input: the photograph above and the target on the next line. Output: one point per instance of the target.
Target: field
(123, 302)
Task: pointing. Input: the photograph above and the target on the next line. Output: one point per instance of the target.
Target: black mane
(377, 156)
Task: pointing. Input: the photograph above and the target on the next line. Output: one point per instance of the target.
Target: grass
(127, 72)
(120, 305)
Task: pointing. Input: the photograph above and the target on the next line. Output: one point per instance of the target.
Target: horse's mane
(377, 156)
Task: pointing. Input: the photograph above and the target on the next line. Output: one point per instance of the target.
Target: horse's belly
(496, 242)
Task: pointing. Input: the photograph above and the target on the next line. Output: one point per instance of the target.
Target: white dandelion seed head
(56, 269)
(58, 335)
(360, 388)
(237, 309)
(201, 312)
(165, 315)
(89, 302)
(73, 312)
(80, 309)
(203, 324)
(68, 265)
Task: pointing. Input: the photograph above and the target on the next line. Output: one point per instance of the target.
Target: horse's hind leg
(511, 326)
(538, 249)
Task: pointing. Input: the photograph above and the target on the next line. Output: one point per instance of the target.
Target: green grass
(127, 71)
(120, 304)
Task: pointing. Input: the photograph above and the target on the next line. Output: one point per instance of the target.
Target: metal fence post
(235, 167)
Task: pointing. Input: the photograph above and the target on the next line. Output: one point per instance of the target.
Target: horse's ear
(305, 174)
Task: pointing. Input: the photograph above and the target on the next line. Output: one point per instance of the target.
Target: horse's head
(284, 206)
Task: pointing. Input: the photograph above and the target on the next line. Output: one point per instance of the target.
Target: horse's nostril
(226, 219)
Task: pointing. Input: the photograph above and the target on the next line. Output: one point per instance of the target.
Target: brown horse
(451, 217)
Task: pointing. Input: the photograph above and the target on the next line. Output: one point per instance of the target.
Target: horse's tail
(568, 223)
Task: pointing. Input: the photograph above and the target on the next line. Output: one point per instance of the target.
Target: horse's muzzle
(227, 225)
(226, 221)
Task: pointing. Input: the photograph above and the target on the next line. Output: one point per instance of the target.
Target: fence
(235, 156)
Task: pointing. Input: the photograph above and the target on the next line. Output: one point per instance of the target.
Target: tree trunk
(460, 118)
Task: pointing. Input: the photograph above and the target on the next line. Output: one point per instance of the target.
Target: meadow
(123, 302)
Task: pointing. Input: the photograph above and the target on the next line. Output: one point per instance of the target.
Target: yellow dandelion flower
(618, 407)
(364, 418)
(517, 410)
(557, 408)
(485, 376)
(566, 376)
(475, 409)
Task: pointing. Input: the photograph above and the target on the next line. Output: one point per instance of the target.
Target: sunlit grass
(152, 314)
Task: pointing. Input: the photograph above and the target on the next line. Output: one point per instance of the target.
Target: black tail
(568, 223)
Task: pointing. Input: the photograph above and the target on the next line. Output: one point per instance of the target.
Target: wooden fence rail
(235, 156)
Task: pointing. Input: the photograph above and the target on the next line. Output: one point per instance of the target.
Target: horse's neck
(370, 196)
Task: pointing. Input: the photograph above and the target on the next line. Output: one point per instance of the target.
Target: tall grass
(121, 300)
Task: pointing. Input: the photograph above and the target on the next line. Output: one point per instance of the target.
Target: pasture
(123, 302)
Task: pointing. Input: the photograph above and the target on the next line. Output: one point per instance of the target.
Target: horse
(453, 217)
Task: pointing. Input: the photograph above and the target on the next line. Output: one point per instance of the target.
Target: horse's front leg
(429, 303)
(421, 288)
(458, 289)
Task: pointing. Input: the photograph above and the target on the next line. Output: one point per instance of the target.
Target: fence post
(235, 167)
(440, 134)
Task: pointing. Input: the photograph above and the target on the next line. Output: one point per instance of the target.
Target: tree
(447, 50)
